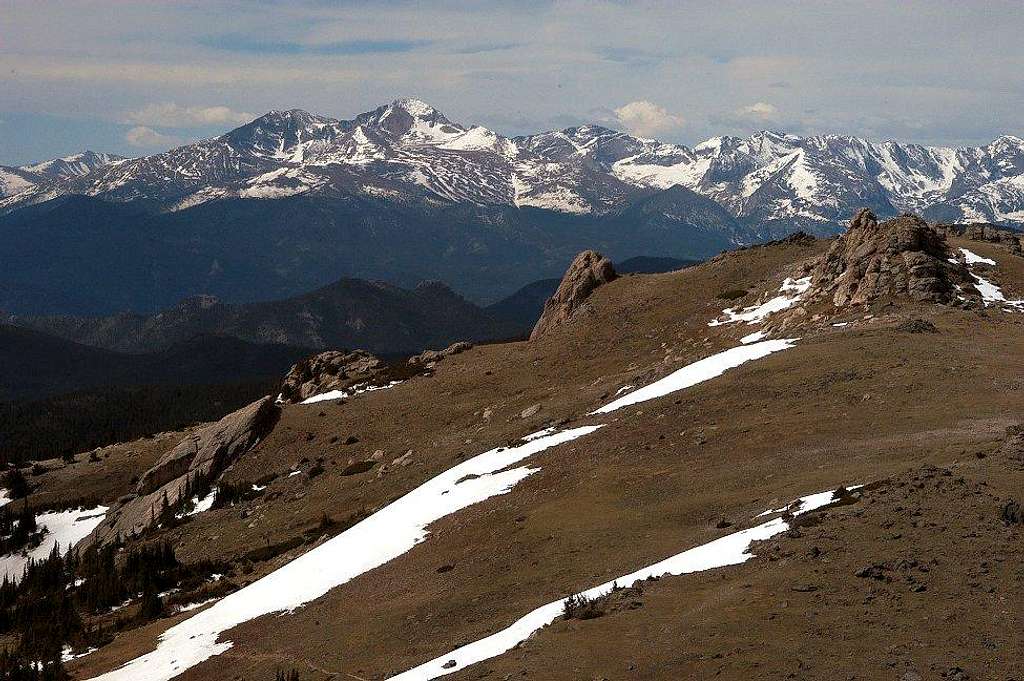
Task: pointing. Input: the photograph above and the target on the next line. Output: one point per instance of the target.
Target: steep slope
(519, 474)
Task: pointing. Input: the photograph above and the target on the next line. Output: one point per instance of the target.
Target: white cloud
(647, 119)
(174, 116)
(141, 136)
(761, 110)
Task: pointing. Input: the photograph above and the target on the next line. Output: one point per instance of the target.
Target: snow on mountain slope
(14, 181)
(409, 151)
(71, 166)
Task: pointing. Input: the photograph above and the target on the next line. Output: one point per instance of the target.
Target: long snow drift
(64, 529)
(380, 538)
(731, 549)
(699, 371)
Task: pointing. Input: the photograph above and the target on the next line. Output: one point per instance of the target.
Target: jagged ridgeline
(292, 201)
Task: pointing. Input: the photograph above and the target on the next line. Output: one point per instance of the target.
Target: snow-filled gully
(400, 526)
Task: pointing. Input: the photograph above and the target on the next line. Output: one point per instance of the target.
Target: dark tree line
(49, 607)
(66, 425)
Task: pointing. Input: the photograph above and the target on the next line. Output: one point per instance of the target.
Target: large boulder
(212, 447)
(331, 370)
(902, 257)
(196, 462)
(429, 358)
(588, 271)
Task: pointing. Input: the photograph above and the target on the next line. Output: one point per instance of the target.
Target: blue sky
(137, 78)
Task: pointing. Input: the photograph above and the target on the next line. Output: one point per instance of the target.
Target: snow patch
(972, 258)
(64, 529)
(757, 313)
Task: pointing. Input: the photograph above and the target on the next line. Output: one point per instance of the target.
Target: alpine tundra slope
(615, 497)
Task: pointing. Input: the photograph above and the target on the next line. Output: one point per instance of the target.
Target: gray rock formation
(197, 460)
(588, 271)
(331, 370)
(430, 358)
(904, 256)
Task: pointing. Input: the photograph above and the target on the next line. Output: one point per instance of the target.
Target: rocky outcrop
(196, 461)
(429, 358)
(984, 231)
(211, 448)
(588, 271)
(331, 370)
(904, 257)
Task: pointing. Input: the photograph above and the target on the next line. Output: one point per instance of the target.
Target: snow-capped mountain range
(29, 179)
(408, 151)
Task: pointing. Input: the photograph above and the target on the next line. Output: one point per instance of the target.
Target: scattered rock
(331, 370)
(588, 271)
(871, 572)
(984, 231)
(1012, 514)
(1013, 444)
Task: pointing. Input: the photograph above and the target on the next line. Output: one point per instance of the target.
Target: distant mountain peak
(416, 107)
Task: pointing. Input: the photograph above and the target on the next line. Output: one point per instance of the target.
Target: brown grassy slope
(847, 405)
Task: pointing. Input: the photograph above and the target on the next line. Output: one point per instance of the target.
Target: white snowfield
(731, 549)
(63, 529)
(5, 497)
(341, 394)
(698, 372)
(376, 540)
(757, 313)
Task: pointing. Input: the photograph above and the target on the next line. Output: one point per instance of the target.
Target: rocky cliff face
(904, 256)
(588, 271)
